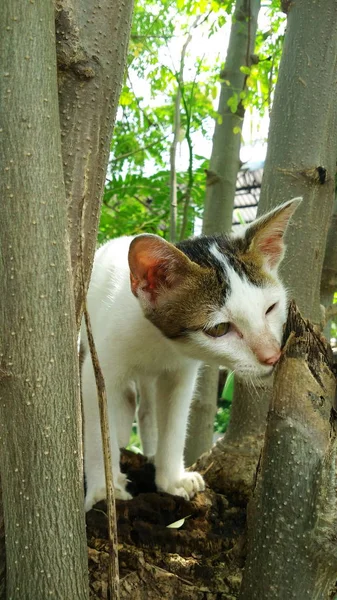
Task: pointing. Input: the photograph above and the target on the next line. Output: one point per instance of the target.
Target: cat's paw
(98, 493)
(186, 486)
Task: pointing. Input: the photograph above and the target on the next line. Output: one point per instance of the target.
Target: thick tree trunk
(92, 42)
(225, 157)
(220, 192)
(41, 456)
(293, 511)
(301, 158)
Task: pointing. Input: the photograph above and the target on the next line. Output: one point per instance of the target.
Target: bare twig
(113, 574)
(113, 570)
(176, 130)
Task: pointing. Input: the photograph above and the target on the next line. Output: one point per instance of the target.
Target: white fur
(132, 351)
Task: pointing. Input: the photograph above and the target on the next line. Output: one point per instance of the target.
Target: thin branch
(113, 569)
(176, 130)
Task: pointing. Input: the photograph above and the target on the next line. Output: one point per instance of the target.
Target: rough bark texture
(301, 158)
(225, 158)
(293, 513)
(41, 466)
(92, 41)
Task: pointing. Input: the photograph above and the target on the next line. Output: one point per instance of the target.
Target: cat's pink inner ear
(272, 247)
(268, 238)
(154, 264)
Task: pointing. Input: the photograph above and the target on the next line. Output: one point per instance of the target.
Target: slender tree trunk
(292, 514)
(201, 422)
(92, 42)
(225, 157)
(301, 158)
(173, 170)
(220, 193)
(41, 458)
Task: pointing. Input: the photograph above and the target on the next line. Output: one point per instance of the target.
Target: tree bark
(292, 514)
(92, 42)
(225, 157)
(41, 457)
(220, 192)
(301, 157)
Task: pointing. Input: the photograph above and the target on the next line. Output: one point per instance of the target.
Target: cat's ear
(265, 237)
(156, 266)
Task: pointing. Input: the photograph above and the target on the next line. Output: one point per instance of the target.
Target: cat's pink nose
(272, 360)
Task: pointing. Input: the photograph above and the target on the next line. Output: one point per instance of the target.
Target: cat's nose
(272, 360)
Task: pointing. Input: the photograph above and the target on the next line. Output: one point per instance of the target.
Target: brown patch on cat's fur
(188, 306)
(254, 267)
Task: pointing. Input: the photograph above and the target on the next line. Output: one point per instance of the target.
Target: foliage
(136, 197)
(224, 405)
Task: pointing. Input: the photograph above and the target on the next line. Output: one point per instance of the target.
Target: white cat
(158, 311)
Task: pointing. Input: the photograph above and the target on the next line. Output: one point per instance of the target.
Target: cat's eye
(270, 308)
(218, 330)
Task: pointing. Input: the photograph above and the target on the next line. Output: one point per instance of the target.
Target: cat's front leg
(93, 450)
(146, 416)
(174, 395)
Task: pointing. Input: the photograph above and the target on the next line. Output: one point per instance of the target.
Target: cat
(158, 312)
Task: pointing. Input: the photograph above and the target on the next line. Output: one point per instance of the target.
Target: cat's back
(110, 270)
(109, 288)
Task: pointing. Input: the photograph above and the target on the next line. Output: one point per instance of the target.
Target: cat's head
(220, 297)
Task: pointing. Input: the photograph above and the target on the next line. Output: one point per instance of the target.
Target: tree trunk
(92, 42)
(220, 192)
(41, 459)
(301, 157)
(225, 157)
(292, 514)
(200, 431)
